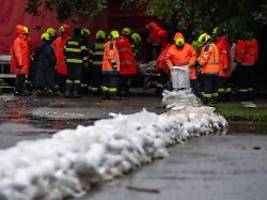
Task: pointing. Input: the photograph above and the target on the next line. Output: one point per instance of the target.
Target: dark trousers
(209, 87)
(195, 85)
(96, 77)
(61, 82)
(110, 84)
(74, 72)
(85, 76)
(244, 76)
(19, 83)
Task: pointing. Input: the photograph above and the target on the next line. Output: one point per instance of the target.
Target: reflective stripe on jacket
(111, 59)
(20, 56)
(98, 52)
(209, 59)
(73, 52)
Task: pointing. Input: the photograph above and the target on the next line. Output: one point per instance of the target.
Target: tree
(67, 8)
(237, 16)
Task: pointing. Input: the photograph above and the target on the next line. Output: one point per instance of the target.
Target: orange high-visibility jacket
(246, 52)
(224, 60)
(251, 54)
(20, 53)
(58, 46)
(161, 64)
(209, 59)
(127, 59)
(111, 58)
(186, 55)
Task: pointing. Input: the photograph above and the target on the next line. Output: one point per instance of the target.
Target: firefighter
(61, 67)
(111, 67)
(20, 58)
(208, 61)
(194, 76)
(44, 66)
(158, 38)
(246, 57)
(98, 52)
(52, 33)
(87, 61)
(74, 61)
(128, 66)
(180, 53)
(225, 69)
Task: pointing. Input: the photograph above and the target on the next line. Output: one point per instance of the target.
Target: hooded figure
(20, 58)
(44, 67)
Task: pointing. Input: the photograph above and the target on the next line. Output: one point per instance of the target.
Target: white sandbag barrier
(70, 162)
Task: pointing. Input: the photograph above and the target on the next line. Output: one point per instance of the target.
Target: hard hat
(179, 39)
(51, 32)
(203, 38)
(85, 32)
(45, 36)
(100, 34)
(114, 34)
(215, 30)
(26, 30)
(126, 31)
(136, 37)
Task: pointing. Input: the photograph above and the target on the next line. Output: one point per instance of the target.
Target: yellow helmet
(126, 31)
(85, 32)
(136, 37)
(45, 36)
(215, 30)
(100, 34)
(115, 34)
(179, 42)
(204, 38)
(26, 30)
(51, 31)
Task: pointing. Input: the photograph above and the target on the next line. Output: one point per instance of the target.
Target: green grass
(258, 114)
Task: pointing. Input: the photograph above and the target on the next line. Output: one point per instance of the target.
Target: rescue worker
(158, 38)
(87, 61)
(111, 67)
(52, 33)
(194, 76)
(20, 58)
(128, 66)
(246, 57)
(61, 67)
(74, 61)
(208, 64)
(44, 67)
(225, 69)
(180, 54)
(98, 52)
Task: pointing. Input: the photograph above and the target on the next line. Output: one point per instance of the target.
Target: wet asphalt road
(232, 167)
